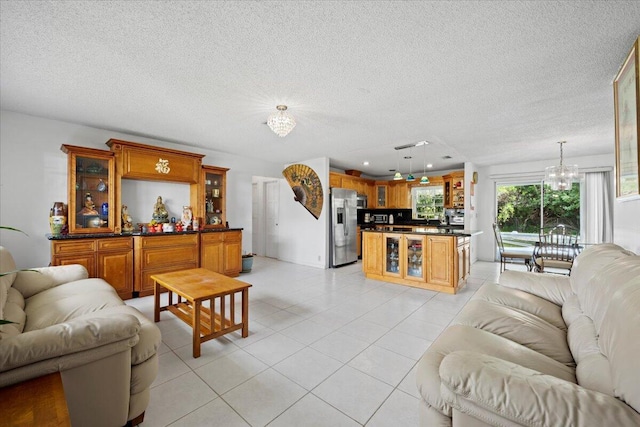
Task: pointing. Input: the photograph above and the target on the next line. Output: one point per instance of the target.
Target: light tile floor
(326, 348)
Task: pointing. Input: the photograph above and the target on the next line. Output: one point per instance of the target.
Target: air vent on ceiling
(447, 157)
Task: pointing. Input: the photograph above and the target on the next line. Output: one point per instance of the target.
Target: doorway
(265, 216)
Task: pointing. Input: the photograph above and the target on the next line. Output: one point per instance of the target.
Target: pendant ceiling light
(424, 180)
(281, 122)
(410, 177)
(561, 177)
(398, 175)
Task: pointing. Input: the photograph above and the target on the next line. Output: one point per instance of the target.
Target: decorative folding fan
(306, 187)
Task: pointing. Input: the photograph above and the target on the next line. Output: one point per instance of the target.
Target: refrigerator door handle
(346, 216)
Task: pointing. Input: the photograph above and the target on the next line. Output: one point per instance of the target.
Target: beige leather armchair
(64, 321)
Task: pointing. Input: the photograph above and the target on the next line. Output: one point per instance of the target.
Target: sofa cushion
(462, 337)
(523, 301)
(619, 341)
(590, 261)
(31, 282)
(68, 301)
(6, 264)
(518, 326)
(149, 334)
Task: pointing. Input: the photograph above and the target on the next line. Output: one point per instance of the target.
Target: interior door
(272, 203)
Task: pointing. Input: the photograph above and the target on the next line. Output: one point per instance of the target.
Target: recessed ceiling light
(365, 163)
(429, 165)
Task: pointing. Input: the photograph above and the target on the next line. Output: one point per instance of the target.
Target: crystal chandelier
(561, 177)
(281, 122)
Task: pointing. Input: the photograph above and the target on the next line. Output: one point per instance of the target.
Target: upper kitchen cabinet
(454, 190)
(91, 189)
(335, 180)
(381, 195)
(139, 161)
(212, 197)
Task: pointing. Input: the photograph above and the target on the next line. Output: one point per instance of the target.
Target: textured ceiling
(487, 82)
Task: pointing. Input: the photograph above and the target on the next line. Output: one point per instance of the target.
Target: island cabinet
(416, 259)
(372, 256)
(109, 258)
(221, 252)
(464, 258)
(162, 253)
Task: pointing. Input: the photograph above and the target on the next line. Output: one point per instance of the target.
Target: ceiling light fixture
(281, 122)
(424, 180)
(561, 177)
(410, 177)
(398, 175)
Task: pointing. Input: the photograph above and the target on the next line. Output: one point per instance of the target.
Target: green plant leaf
(4, 227)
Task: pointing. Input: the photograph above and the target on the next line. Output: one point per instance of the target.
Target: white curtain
(597, 208)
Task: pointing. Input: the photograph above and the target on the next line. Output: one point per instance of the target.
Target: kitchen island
(437, 259)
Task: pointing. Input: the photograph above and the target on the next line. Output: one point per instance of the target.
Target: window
(523, 209)
(427, 202)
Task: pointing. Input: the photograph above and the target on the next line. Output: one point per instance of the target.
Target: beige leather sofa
(542, 350)
(104, 350)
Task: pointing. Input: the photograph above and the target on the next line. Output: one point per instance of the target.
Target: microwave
(361, 201)
(380, 218)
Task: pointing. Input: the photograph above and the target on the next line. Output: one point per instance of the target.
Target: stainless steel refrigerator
(343, 228)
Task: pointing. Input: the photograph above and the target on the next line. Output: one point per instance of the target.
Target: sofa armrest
(35, 280)
(500, 392)
(74, 336)
(552, 287)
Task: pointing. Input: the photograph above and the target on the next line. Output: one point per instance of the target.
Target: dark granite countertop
(424, 230)
(137, 233)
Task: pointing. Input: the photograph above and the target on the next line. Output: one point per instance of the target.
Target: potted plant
(247, 262)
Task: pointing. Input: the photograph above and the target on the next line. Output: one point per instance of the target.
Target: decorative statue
(160, 213)
(187, 216)
(89, 207)
(127, 221)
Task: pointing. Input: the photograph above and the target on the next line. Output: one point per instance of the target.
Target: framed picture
(626, 93)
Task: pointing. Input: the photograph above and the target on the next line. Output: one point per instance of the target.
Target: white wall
(33, 175)
(626, 220)
(303, 238)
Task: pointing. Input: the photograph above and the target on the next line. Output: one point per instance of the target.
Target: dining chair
(557, 247)
(510, 254)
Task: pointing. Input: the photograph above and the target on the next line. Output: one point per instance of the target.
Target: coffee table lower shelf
(184, 312)
(196, 286)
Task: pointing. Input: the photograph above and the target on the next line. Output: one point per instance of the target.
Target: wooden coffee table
(198, 285)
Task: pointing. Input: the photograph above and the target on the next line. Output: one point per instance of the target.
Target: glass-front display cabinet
(414, 267)
(392, 255)
(214, 180)
(91, 190)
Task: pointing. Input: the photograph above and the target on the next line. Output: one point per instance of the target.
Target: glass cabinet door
(392, 255)
(382, 196)
(91, 190)
(414, 267)
(214, 197)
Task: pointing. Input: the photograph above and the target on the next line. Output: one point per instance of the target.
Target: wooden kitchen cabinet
(335, 180)
(91, 189)
(436, 262)
(372, 254)
(454, 190)
(212, 197)
(440, 267)
(162, 253)
(381, 195)
(108, 258)
(464, 258)
(221, 252)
